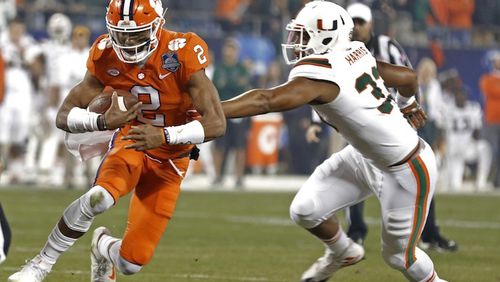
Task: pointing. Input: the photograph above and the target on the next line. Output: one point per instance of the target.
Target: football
(101, 103)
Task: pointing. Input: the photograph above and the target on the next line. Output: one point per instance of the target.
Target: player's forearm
(408, 91)
(402, 78)
(73, 117)
(79, 120)
(62, 119)
(64, 110)
(214, 125)
(250, 103)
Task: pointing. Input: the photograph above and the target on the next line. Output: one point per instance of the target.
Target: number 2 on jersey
(150, 99)
(200, 51)
(362, 83)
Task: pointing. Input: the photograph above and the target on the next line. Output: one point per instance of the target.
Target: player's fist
(116, 116)
(415, 115)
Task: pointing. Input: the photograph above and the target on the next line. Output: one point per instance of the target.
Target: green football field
(248, 236)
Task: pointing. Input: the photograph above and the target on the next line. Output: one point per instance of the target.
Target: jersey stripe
(421, 175)
(110, 147)
(315, 62)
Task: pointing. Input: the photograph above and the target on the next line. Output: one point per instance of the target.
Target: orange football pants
(157, 187)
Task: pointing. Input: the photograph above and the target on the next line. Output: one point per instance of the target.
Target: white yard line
(452, 223)
(277, 221)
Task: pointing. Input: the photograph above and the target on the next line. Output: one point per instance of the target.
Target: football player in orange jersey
(151, 146)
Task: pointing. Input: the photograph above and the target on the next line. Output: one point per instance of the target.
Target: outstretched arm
(290, 95)
(210, 125)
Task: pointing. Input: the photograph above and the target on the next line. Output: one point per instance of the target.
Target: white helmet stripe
(127, 6)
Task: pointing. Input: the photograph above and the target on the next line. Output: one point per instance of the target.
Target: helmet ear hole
(327, 41)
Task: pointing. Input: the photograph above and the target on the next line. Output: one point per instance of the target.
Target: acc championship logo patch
(170, 61)
(177, 44)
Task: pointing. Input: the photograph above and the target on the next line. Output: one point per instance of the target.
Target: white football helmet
(59, 27)
(318, 27)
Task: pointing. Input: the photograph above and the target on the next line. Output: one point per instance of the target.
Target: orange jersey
(490, 86)
(161, 84)
(2, 79)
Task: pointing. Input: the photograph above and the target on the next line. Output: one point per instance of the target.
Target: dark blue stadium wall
(470, 64)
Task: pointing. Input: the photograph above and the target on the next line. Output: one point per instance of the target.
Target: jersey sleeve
(313, 68)
(96, 51)
(194, 56)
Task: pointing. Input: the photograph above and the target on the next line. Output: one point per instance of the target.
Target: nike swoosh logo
(162, 76)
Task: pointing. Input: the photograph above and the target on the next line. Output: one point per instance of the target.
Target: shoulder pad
(319, 68)
(313, 61)
(101, 44)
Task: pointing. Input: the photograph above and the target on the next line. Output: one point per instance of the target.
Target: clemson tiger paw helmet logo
(177, 44)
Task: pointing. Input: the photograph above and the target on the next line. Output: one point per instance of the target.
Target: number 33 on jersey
(161, 83)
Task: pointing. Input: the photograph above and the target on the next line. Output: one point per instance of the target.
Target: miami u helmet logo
(328, 28)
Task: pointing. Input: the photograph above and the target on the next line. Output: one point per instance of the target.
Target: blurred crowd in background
(451, 43)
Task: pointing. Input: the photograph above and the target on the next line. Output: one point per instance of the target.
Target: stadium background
(245, 235)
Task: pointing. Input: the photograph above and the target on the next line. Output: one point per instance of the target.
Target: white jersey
(18, 86)
(71, 70)
(53, 52)
(369, 120)
(460, 123)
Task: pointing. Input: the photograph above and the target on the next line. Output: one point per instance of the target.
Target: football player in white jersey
(15, 110)
(463, 123)
(70, 70)
(59, 30)
(344, 84)
(56, 47)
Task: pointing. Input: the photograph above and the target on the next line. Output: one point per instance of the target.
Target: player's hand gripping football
(415, 115)
(115, 118)
(145, 137)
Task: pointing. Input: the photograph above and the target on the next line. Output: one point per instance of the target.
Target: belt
(413, 154)
(193, 154)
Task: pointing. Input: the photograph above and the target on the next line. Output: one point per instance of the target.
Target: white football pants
(478, 151)
(404, 192)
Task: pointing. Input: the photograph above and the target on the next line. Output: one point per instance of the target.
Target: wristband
(166, 136)
(80, 120)
(404, 102)
(101, 123)
(189, 133)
